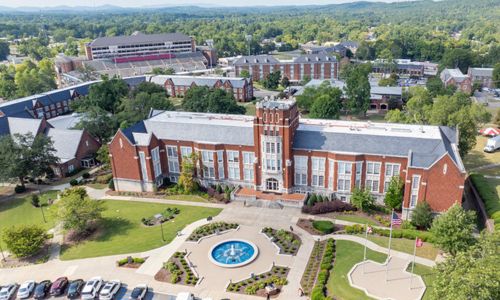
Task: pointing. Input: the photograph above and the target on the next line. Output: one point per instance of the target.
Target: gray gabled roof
(23, 126)
(139, 38)
(482, 72)
(320, 57)
(236, 82)
(256, 59)
(65, 142)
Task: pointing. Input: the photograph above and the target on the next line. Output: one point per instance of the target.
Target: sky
(137, 3)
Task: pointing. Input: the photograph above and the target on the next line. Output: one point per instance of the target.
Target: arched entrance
(272, 184)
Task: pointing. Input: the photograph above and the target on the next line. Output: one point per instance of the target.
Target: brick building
(278, 152)
(313, 66)
(177, 85)
(483, 76)
(455, 77)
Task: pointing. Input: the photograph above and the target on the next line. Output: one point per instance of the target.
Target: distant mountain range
(190, 6)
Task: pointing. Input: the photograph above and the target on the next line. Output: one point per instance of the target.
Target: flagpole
(413, 264)
(364, 254)
(389, 252)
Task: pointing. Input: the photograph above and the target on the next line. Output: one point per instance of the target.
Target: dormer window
(445, 169)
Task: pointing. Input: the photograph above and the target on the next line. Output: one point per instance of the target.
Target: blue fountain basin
(233, 253)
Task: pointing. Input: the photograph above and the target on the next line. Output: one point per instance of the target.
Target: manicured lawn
(190, 198)
(324, 226)
(428, 277)
(490, 171)
(357, 219)
(405, 245)
(250, 107)
(123, 232)
(477, 157)
(348, 254)
(20, 211)
(489, 189)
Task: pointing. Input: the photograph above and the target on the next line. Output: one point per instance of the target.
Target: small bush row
(210, 229)
(251, 286)
(135, 260)
(319, 290)
(410, 234)
(326, 207)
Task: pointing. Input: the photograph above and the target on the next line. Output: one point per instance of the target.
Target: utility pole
(248, 37)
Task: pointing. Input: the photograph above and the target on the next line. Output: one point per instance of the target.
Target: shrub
(354, 229)
(407, 225)
(85, 175)
(103, 179)
(73, 182)
(326, 207)
(111, 185)
(489, 196)
(422, 215)
(19, 189)
(312, 200)
(24, 240)
(35, 200)
(324, 226)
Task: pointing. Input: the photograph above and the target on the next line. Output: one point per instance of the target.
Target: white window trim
(144, 171)
(300, 171)
(414, 191)
(345, 176)
(318, 171)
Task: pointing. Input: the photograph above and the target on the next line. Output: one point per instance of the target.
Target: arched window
(272, 184)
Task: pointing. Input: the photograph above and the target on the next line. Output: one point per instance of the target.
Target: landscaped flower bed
(327, 261)
(309, 277)
(166, 215)
(287, 242)
(315, 227)
(131, 262)
(257, 284)
(210, 229)
(177, 270)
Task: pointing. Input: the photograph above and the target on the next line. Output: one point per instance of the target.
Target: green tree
(245, 74)
(138, 108)
(106, 95)
(358, 90)
(394, 194)
(285, 82)
(362, 199)
(497, 118)
(272, 80)
(470, 274)
(453, 230)
(99, 123)
(422, 217)
(458, 58)
(187, 179)
(32, 156)
(204, 99)
(24, 240)
(77, 212)
(103, 155)
(496, 75)
(327, 105)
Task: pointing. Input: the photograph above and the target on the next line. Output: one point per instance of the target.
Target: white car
(91, 288)
(139, 292)
(110, 289)
(7, 292)
(26, 289)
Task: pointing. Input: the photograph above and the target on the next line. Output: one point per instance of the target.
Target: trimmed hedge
(326, 207)
(410, 234)
(319, 290)
(135, 260)
(490, 197)
(325, 227)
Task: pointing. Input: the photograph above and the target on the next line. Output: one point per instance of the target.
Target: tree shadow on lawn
(110, 227)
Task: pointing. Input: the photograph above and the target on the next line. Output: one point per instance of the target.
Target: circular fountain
(233, 253)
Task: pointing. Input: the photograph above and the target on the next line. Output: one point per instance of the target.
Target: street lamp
(159, 218)
(43, 215)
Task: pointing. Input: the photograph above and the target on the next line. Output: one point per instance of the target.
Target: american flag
(369, 229)
(396, 220)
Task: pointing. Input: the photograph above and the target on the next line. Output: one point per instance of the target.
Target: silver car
(110, 289)
(26, 289)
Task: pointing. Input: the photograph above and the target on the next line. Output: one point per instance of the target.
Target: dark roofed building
(277, 152)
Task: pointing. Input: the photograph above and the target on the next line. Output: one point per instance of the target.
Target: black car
(42, 289)
(139, 292)
(75, 288)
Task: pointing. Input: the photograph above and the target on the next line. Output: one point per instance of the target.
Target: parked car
(7, 292)
(139, 292)
(59, 286)
(42, 289)
(492, 144)
(26, 289)
(91, 288)
(75, 288)
(110, 289)
(185, 296)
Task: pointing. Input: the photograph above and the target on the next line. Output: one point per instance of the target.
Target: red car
(59, 286)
